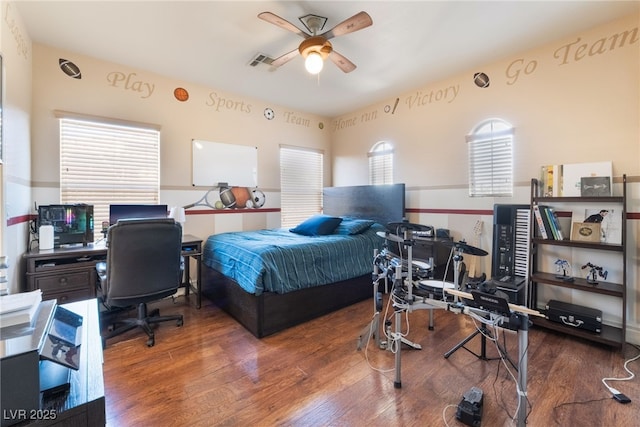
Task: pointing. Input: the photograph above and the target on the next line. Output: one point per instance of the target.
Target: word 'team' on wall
(574, 52)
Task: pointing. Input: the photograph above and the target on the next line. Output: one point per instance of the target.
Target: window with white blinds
(103, 163)
(381, 163)
(301, 171)
(490, 148)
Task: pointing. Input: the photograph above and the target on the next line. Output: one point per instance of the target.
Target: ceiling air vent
(260, 58)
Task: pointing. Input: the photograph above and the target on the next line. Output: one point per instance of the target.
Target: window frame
(301, 183)
(127, 152)
(490, 148)
(381, 158)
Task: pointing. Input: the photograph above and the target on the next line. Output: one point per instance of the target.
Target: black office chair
(143, 265)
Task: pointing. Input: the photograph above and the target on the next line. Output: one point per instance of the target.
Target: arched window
(381, 163)
(490, 147)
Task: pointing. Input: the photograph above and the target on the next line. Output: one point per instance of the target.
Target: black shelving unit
(610, 335)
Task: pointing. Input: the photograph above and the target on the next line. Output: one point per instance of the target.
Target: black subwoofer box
(574, 316)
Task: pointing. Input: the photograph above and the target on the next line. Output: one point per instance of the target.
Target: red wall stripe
(26, 218)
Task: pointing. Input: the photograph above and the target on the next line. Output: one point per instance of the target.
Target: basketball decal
(481, 80)
(242, 196)
(69, 68)
(181, 94)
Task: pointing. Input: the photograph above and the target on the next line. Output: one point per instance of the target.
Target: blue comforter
(280, 261)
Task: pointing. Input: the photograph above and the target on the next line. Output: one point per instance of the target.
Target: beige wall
(15, 46)
(580, 110)
(115, 91)
(568, 104)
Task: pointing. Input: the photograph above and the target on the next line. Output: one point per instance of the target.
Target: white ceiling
(409, 45)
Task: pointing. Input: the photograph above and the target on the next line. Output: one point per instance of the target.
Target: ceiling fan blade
(343, 63)
(282, 23)
(356, 22)
(281, 60)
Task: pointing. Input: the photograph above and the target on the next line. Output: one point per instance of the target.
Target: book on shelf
(572, 175)
(609, 218)
(538, 217)
(546, 222)
(551, 180)
(19, 309)
(595, 186)
(555, 224)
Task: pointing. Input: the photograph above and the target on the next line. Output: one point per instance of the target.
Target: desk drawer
(65, 281)
(69, 296)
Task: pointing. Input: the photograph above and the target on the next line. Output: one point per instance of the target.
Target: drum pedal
(470, 408)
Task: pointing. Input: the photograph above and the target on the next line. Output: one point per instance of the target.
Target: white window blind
(381, 163)
(491, 159)
(104, 163)
(301, 173)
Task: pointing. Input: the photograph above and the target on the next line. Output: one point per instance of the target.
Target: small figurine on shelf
(594, 272)
(562, 265)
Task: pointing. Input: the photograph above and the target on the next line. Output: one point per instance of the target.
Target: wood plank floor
(212, 372)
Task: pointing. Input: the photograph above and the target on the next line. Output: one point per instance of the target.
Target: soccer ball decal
(257, 198)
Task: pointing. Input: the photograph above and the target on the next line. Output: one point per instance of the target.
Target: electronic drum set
(413, 284)
(414, 288)
(420, 283)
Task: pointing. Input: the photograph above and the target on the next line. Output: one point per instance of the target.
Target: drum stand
(484, 332)
(373, 328)
(518, 321)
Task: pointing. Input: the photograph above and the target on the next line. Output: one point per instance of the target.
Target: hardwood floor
(212, 372)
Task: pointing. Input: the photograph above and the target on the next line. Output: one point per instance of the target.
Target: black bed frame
(269, 312)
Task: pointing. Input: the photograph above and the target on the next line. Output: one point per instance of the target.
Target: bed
(271, 290)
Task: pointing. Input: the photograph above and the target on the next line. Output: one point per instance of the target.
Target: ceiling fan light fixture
(314, 63)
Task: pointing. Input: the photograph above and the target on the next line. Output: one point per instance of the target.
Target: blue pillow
(317, 225)
(353, 226)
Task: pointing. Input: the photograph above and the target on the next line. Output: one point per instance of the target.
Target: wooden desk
(84, 403)
(69, 274)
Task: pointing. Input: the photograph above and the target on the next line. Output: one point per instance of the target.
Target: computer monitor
(117, 212)
(72, 223)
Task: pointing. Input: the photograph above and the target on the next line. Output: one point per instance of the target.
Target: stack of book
(548, 224)
(19, 309)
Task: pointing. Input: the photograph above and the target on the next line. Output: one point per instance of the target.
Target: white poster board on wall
(216, 162)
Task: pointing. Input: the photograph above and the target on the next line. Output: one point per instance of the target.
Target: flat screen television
(72, 223)
(117, 212)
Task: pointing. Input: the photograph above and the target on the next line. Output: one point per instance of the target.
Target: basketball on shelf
(181, 94)
(242, 196)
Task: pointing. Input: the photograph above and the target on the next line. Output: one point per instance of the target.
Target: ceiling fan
(315, 48)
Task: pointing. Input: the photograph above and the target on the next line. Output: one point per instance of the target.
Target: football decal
(227, 198)
(481, 80)
(69, 68)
